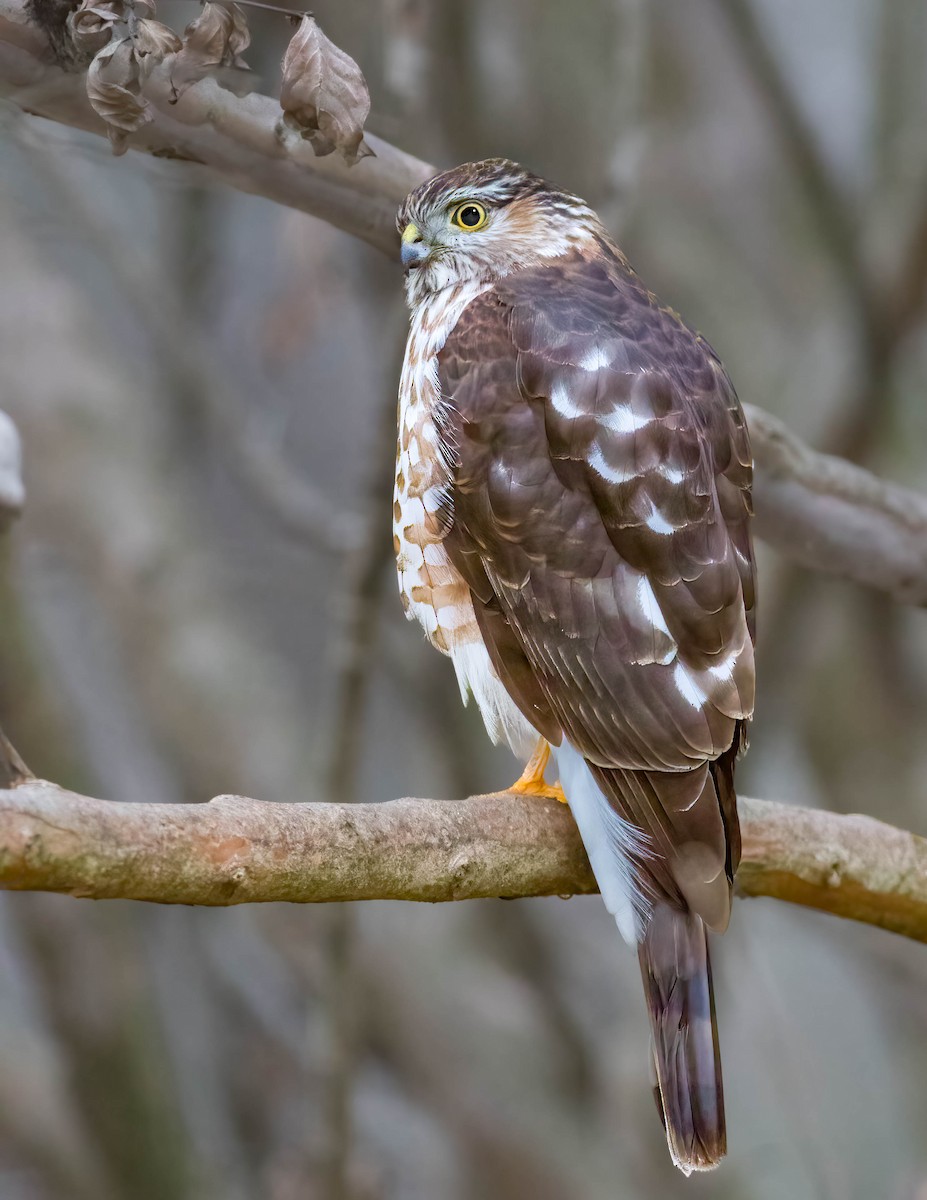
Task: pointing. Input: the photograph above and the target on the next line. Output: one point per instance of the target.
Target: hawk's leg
(531, 781)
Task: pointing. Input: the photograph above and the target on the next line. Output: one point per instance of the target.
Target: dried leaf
(91, 25)
(154, 41)
(324, 96)
(114, 89)
(215, 39)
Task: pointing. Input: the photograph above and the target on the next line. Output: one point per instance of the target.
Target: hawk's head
(484, 220)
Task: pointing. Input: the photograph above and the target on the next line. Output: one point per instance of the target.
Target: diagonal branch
(234, 850)
(13, 771)
(234, 137)
(830, 515)
(824, 195)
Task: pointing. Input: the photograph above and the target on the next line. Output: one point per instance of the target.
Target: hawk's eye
(469, 216)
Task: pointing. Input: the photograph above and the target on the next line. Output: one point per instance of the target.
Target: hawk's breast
(433, 591)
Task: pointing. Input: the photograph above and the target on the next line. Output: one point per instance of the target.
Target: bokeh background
(200, 600)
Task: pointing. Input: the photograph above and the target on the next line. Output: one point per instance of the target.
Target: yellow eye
(469, 216)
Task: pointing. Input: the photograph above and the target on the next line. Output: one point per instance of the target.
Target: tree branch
(828, 514)
(234, 137)
(13, 771)
(234, 850)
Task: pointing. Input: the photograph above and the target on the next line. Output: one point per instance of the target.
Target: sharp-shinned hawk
(572, 527)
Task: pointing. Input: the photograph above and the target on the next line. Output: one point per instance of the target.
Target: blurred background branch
(829, 515)
(12, 493)
(13, 770)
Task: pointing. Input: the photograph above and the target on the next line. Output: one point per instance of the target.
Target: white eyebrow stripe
(498, 190)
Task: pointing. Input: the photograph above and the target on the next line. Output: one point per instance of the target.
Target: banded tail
(652, 899)
(676, 971)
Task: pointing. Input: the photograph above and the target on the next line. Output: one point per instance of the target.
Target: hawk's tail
(677, 981)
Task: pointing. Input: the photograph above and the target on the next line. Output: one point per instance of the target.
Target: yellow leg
(531, 781)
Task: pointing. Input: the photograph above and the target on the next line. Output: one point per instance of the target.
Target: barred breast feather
(432, 589)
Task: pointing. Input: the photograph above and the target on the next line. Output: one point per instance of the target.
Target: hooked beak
(413, 251)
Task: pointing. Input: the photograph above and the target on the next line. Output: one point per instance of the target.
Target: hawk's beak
(414, 251)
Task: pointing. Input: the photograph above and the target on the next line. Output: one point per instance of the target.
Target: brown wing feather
(601, 507)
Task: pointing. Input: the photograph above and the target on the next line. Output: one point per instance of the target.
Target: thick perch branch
(234, 851)
(820, 510)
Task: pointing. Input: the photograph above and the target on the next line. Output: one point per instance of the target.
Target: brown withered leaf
(324, 95)
(215, 39)
(91, 25)
(114, 90)
(154, 41)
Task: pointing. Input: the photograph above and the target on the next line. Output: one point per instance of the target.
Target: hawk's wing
(600, 513)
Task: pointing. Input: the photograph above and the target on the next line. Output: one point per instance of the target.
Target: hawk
(572, 527)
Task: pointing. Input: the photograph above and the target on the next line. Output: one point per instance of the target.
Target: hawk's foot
(531, 781)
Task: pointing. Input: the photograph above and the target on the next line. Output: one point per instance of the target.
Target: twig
(908, 297)
(822, 191)
(12, 494)
(13, 771)
(293, 13)
(236, 850)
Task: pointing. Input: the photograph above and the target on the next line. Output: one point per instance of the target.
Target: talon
(531, 781)
(548, 791)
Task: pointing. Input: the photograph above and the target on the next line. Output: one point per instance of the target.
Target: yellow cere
(411, 233)
(469, 216)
